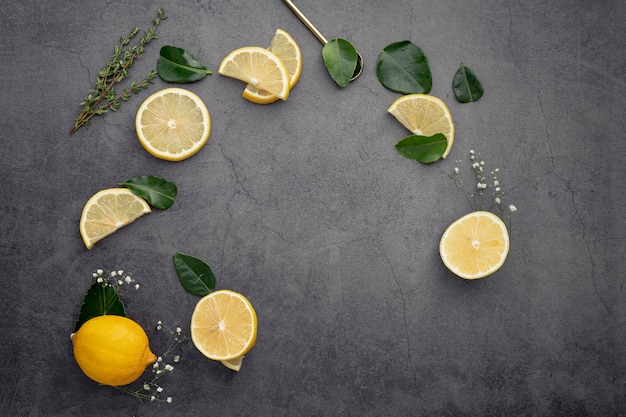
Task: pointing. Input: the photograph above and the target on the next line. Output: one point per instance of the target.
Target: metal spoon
(359, 65)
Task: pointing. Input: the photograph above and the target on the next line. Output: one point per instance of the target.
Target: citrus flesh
(476, 245)
(112, 350)
(109, 210)
(224, 326)
(288, 51)
(259, 68)
(233, 364)
(424, 115)
(173, 124)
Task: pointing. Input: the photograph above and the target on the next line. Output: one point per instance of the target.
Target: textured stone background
(306, 207)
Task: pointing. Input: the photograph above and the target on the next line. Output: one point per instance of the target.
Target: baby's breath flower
(100, 280)
(120, 272)
(113, 273)
(456, 170)
(136, 286)
(169, 368)
(177, 358)
(159, 359)
(128, 279)
(152, 398)
(99, 271)
(159, 389)
(120, 282)
(497, 200)
(169, 400)
(512, 208)
(146, 387)
(178, 330)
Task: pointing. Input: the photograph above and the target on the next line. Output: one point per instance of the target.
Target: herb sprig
(103, 96)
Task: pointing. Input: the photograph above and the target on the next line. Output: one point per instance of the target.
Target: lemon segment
(173, 124)
(107, 211)
(475, 246)
(112, 350)
(224, 325)
(288, 51)
(233, 364)
(259, 68)
(424, 115)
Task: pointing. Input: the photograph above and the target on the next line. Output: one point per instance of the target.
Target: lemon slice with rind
(424, 115)
(224, 326)
(259, 68)
(108, 211)
(286, 48)
(173, 124)
(475, 246)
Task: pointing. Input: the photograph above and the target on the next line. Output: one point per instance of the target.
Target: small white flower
(481, 185)
(95, 275)
(146, 387)
(498, 201)
(169, 399)
(497, 189)
(475, 165)
(136, 286)
(160, 389)
(128, 279)
(177, 358)
(472, 151)
(497, 169)
(512, 208)
(120, 282)
(169, 368)
(456, 170)
(152, 398)
(99, 271)
(482, 163)
(100, 280)
(155, 366)
(178, 330)
(113, 273)
(159, 359)
(120, 272)
(496, 183)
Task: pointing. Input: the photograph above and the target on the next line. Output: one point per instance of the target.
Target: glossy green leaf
(194, 274)
(101, 299)
(175, 65)
(158, 192)
(424, 149)
(466, 86)
(402, 67)
(340, 58)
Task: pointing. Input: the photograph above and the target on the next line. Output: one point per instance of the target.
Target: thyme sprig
(103, 96)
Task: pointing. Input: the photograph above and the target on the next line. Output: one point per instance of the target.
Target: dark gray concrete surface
(306, 208)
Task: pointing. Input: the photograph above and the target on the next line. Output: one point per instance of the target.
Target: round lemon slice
(258, 67)
(109, 210)
(476, 245)
(173, 124)
(224, 327)
(424, 115)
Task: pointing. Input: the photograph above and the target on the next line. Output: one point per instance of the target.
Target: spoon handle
(306, 21)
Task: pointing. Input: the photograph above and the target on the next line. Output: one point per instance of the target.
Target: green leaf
(175, 65)
(466, 86)
(340, 58)
(158, 192)
(101, 299)
(402, 67)
(424, 149)
(194, 274)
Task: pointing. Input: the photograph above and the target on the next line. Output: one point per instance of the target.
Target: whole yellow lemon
(112, 350)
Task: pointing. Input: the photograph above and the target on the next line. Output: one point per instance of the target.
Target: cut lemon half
(288, 51)
(259, 68)
(173, 124)
(109, 210)
(476, 245)
(224, 326)
(424, 115)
